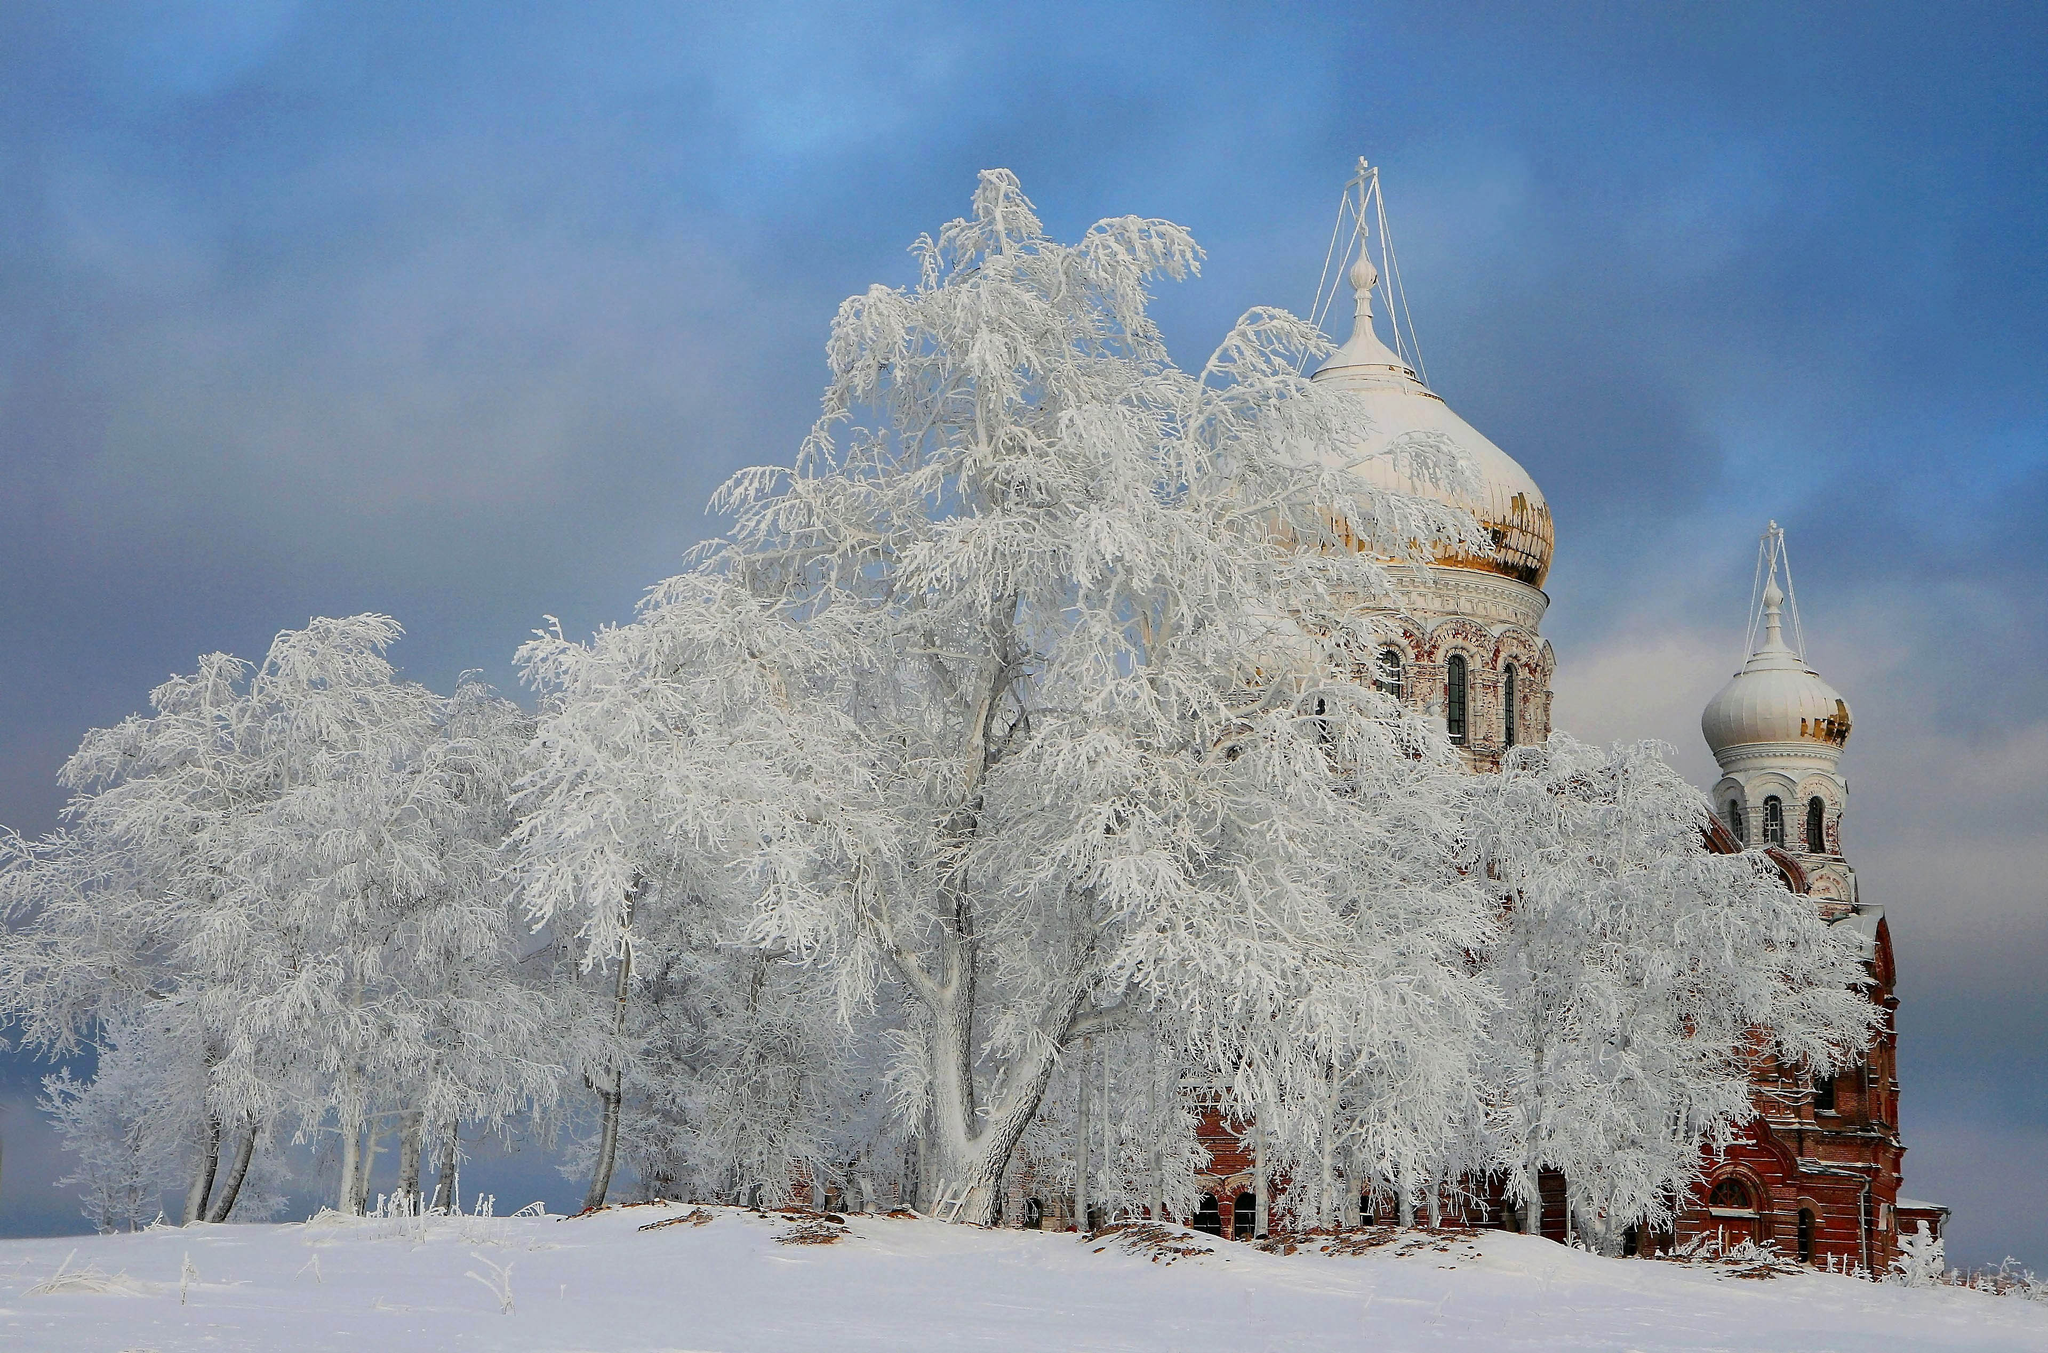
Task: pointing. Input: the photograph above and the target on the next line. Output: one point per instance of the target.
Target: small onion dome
(1399, 409)
(1776, 697)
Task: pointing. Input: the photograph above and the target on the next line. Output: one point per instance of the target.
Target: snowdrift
(682, 1277)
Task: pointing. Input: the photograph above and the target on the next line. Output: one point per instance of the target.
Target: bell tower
(1778, 731)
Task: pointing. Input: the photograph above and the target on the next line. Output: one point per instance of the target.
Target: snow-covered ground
(718, 1279)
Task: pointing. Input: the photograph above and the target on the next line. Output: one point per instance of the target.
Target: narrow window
(1816, 826)
(1388, 677)
(1806, 1228)
(1244, 1215)
(1824, 1094)
(1735, 823)
(1510, 698)
(1774, 821)
(1454, 699)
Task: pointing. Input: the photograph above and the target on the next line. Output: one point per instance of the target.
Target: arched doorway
(1208, 1217)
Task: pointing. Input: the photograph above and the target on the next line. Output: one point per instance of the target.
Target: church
(1818, 1172)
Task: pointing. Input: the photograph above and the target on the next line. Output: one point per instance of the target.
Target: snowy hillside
(679, 1278)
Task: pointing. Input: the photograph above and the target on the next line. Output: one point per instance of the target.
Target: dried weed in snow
(90, 1279)
(1150, 1237)
(699, 1217)
(816, 1231)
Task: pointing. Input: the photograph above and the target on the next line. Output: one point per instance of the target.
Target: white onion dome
(1776, 697)
(1399, 408)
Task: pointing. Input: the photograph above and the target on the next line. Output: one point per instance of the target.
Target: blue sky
(459, 312)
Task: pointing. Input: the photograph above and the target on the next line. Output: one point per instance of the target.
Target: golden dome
(1399, 410)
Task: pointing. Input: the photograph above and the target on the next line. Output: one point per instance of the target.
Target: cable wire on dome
(1370, 206)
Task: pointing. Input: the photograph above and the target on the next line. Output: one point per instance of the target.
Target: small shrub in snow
(2006, 1279)
(1920, 1262)
(499, 1284)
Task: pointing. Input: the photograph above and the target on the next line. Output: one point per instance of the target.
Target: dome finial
(1774, 622)
(1364, 277)
(1776, 699)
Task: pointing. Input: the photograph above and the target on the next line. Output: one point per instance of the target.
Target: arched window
(1208, 1217)
(1806, 1229)
(1816, 826)
(1824, 1095)
(1735, 823)
(1387, 675)
(1734, 1209)
(1508, 696)
(1034, 1214)
(1731, 1195)
(1454, 698)
(1774, 821)
(1244, 1215)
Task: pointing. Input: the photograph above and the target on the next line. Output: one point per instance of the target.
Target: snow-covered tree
(296, 861)
(129, 1127)
(1035, 683)
(665, 753)
(1640, 978)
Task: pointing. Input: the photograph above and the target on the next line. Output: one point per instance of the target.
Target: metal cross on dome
(1363, 207)
(1771, 555)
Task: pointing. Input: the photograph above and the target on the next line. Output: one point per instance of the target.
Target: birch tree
(1067, 637)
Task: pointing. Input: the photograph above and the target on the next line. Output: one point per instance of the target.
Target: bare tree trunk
(203, 1172)
(411, 1130)
(1262, 1184)
(1081, 1140)
(444, 1174)
(367, 1166)
(351, 1159)
(1155, 1167)
(1326, 1199)
(970, 1144)
(1108, 1166)
(608, 1144)
(1404, 1190)
(231, 1189)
